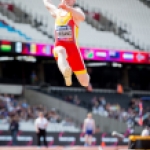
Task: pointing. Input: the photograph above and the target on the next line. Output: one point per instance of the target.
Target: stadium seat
(21, 32)
(132, 16)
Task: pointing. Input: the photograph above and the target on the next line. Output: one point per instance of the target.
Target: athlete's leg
(63, 64)
(86, 140)
(77, 64)
(83, 79)
(90, 140)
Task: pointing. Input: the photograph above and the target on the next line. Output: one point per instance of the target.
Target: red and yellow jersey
(66, 34)
(65, 29)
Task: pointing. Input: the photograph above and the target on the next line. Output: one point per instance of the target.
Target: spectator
(24, 104)
(69, 99)
(12, 98)
(53, 116)
(102, 101)
(97, 129)
(14, 127)
(131, 103)
(11, 108)
(95, 109)
(76, 100)
(7, 98)
(119, 88)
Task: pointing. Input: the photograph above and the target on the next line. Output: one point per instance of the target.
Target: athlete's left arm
(77, 13)
(84, 124)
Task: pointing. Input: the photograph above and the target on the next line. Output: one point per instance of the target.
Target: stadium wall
(29, 138)
(76, 113)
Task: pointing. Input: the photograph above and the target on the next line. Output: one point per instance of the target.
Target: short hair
(89, 114)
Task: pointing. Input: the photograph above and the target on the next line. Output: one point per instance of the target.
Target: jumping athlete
(66, 50)
(89, 129)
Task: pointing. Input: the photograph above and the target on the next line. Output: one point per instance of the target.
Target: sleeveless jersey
(65, 29)
(89, 124)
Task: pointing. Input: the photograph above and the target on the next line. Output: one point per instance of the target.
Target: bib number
(64, 33)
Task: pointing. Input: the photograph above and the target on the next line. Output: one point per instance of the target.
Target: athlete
(66, 51)
(89, 129)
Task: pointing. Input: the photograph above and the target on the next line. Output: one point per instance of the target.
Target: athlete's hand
(63, 6)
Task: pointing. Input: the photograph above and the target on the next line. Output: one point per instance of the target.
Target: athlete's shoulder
(85, 119)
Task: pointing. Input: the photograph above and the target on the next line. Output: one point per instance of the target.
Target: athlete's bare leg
(63, 64)
(90, 140)
(86, 140)
(83, 79)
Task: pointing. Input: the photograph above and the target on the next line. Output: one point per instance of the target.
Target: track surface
(66, 148)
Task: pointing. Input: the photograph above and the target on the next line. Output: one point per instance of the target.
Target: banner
(106, 55)
(29, 138)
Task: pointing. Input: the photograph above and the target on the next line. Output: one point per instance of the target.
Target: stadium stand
(123, 14)
(104, 103)
(21, 32)
(11, 106)
(100, 37)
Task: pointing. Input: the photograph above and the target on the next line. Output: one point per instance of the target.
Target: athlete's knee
(84, 79)
(60, 50)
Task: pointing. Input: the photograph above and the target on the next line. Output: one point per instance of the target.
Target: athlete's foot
(68, 76)
(89, 88)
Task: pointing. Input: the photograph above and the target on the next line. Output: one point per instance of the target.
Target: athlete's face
(90, 116)
(69, 2)
(41, 115)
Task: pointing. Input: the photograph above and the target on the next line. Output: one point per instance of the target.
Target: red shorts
(74, 57)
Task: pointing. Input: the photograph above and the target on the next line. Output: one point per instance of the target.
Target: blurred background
(115, 45)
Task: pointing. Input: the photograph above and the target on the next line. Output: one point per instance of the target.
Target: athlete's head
(89, 115)
(69, 2)
(41, 114)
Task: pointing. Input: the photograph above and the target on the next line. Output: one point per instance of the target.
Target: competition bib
(64, 33)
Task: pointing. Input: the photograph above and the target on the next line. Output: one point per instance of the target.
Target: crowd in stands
(73, 99)
(115, 111)
(11, 106)
(101, 107)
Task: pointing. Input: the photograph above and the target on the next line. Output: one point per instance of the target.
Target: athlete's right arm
(52, 8)
(84, 126)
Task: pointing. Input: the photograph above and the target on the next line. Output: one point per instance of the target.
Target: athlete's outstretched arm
(52, 8)
(77, 13)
